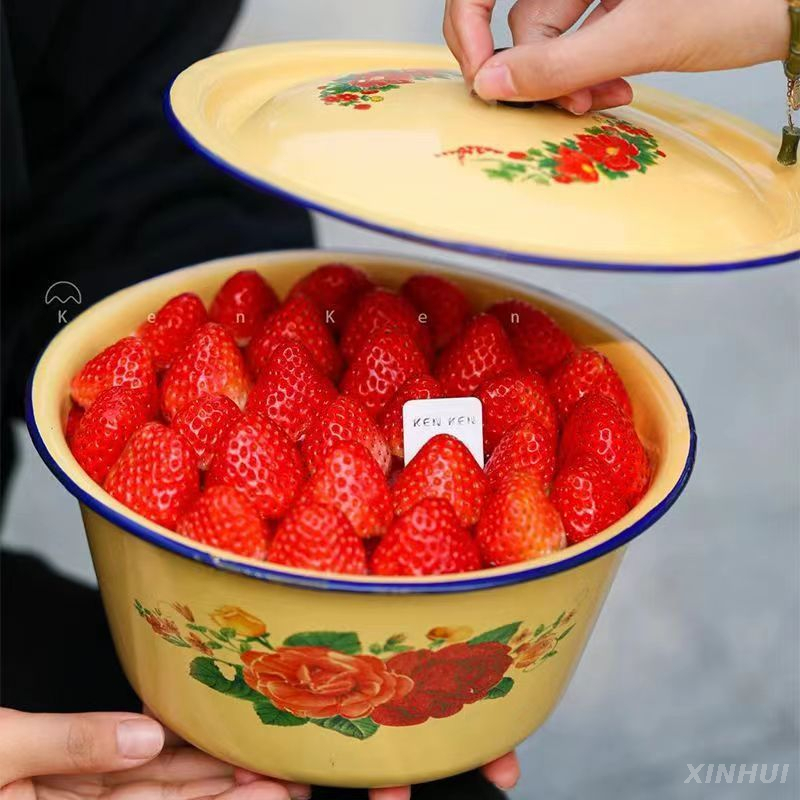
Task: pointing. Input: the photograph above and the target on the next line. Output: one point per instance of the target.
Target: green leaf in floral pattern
(206, 671)
(561, 636)
(271, 715)
(500, 689)
(356, 728)
(343, 642)
(502, 635)
(176, 640)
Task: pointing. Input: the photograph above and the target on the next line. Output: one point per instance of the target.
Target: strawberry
(445, 468)
(74, 417)
(242, 302)
(529, 447)
(446, 307)
(587, 497)
(156, 475)
(518, 522)
(210, 363)
(482, 350)
(256, 456)
(349, 478)
(203, 421)
(583, 372)
(428, 539)
(318, 537)
(224, 517)
(334, 289)
(384, 364)
(125, 363)
(166, 332)
(539, 343)
(509, 399)
(597, 426)
(344, 420)
(298, 320)
(379, 311)
(105, 428)
(291, 390)
(390, 420)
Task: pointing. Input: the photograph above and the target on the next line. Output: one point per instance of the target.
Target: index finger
(471, 21)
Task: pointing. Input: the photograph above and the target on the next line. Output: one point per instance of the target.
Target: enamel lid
(387, 136)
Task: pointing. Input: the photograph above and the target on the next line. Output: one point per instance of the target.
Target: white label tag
(461, 417)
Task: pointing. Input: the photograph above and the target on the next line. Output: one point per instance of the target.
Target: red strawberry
(224, 517)
(105, 429)
(318, 537)
(509, 399)
(518, 522)
(210, 363)
(597, 426)
(384, 364)
(291, 390)
(583, 372)
(125, 363)
(350, 479)
(390, 420)
(298, 320)
(334, 289)
(156, 475)
(74, 417)
(427, 540)
(243, 301)
(203, 421)
(537, 340)
(445, 468)
(256, 456)
(379, 311)
(587, 498)
(344, 420)
(166, 332)
(530, 447)
(444, 304)
(482, 350)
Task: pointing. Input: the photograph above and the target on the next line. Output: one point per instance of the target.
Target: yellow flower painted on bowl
(241, 621)
(446, 634)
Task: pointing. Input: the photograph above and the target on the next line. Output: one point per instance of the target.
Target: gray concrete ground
(696, 658)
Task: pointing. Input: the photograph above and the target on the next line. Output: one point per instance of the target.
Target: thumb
(48, 744)
(616, 45)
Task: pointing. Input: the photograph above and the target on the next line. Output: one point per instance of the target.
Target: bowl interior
(661, 415)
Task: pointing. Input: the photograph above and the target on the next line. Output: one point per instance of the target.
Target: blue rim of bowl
(484, 581)
(445, 244)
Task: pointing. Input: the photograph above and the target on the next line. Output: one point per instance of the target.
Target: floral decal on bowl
(361, 90)
(612, 149)
(328, 679)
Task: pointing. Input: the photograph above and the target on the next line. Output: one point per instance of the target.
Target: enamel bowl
(356, 681)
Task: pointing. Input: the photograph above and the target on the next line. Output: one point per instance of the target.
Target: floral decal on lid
(613, 149)
(363, 89)
(328, 679)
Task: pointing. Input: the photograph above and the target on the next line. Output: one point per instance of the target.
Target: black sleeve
(96, 187)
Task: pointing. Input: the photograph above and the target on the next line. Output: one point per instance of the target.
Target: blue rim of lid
(453, 245)
(433, 586)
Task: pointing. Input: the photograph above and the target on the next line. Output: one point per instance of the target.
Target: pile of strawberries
(274, 429)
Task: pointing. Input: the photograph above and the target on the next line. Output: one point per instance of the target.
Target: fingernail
(139, 738)
(298, 791)
(494, 83)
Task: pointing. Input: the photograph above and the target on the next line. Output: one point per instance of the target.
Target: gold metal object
(790, 141)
